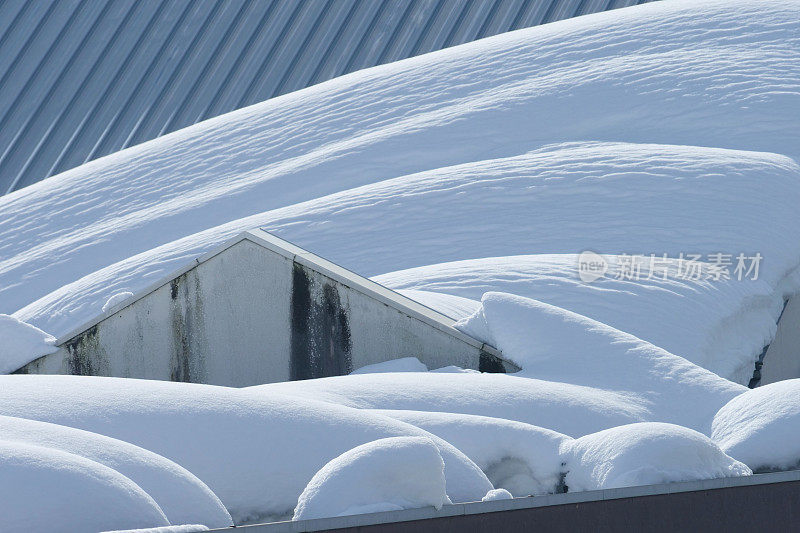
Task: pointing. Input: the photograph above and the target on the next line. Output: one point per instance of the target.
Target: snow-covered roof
(80, 80)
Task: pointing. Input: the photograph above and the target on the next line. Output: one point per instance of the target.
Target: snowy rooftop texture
(469, 178)
(83, 79)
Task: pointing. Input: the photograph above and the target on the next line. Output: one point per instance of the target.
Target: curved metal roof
(80, 79)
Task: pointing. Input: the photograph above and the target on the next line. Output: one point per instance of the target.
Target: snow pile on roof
(179, 494)
(660, 81)
(497, 494)
(644, 454)
(382, 475)
(717, 324)
(518, 457)
(255, 451)
(573, 410)
(551, 343)
(668, 128)
(21, 343)
(761, 427)
(44, 489)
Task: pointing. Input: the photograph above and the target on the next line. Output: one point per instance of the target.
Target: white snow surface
(649, 108)
(719, 325)
(43, 488)
(518, 457)
(383, 475)
(403, 364)
(497, 494)
(761, 427)
(116, 299)
(256, 451)
(644, 454)
(671, 128)
(551, 343)
(573, 410)
(21, 343)
(182, 497)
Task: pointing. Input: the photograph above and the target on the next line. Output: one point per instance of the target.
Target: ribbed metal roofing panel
(80, 79)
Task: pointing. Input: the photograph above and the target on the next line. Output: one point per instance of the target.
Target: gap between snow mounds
(715, 74)
(676, 198)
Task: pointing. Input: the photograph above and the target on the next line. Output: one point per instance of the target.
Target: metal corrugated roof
(80, 79)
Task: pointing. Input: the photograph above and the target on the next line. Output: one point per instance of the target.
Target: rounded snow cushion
(761, 427)
(382, 475)
(280, 441)
(646, 453)
(521, 458)
(179, 493)
(44, 489)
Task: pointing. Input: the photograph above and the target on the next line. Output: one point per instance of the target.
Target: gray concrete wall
(782, 359)
(261, 310)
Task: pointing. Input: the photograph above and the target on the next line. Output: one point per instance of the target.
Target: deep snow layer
(666, 128)
(645, 454)
(383, 475)
(554, 344)
(717, 74)
(253, 450)
(717, 324)
(761, 427)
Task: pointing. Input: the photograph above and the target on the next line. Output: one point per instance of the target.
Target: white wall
(261, 310)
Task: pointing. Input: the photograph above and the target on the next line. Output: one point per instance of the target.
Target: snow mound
(383, 475)
(403, 364)
(721, 325)
(558, 345)
(718, 73)
(255, 450)
(563, 407)
(761, 427)
(521, 458)
(497, 494)
(22, 343)
(644, 454)
(116, 299)
(182, 497)
(42, 487)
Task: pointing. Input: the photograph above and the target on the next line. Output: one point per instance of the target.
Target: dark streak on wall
(84, 354)
(320, 329)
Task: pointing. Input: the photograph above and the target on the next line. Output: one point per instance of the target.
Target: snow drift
(383, 475)
(21, 343)
(256, 451)
(518, 457)
(644, 454)
(551, 343)
(563, 407)
(43, 486)
(717, 324)
(182, 497)
(651, 83)
(761, 427)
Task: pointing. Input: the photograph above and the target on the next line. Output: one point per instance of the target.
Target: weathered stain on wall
(320, 329)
